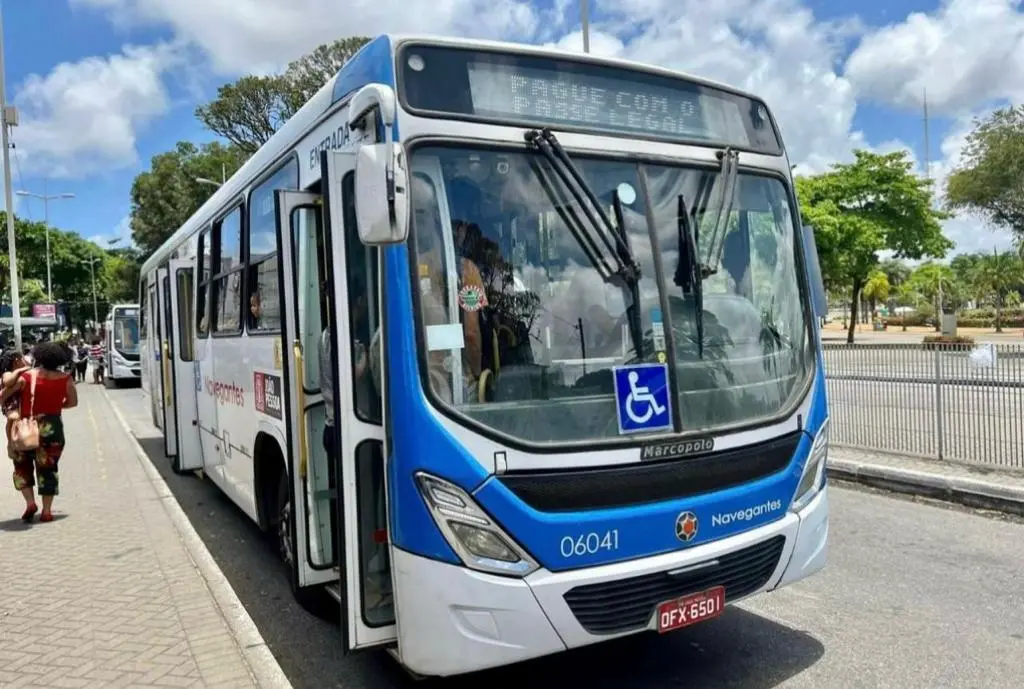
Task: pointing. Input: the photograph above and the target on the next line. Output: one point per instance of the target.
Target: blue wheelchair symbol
(642, 398)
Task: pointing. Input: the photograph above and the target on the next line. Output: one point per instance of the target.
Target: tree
(166, 195)
(876, 289)
(896, 271)
(120, 275)
(994, 276)
(931, 279)
(861, 208)
(249, 111)
(989, 180)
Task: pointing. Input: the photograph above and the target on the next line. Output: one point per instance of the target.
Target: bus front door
(166, 343)
(313, 527)
(367, 601)
(181, 362)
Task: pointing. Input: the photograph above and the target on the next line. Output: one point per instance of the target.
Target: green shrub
(947, 342)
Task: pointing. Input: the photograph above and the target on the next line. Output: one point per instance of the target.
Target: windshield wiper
(628, 270)
(695, 272)
(728, 172)
(636, 332)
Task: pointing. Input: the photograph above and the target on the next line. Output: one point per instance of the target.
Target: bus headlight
(479, 542)
(814, 471)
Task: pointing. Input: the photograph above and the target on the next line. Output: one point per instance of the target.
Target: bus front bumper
(119, 370)
(460, 620)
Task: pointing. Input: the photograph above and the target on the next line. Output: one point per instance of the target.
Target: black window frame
(202, 285)
(247, 279)
(219, 277)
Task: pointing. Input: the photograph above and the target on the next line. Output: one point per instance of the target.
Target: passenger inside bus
(434, 296)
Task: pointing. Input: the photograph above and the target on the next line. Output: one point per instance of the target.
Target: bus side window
(227, 283)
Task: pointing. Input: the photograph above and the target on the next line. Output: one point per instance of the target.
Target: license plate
(697, 607)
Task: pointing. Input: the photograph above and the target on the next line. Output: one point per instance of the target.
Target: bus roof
(373, 63)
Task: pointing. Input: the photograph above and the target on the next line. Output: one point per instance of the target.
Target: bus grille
(626, 605)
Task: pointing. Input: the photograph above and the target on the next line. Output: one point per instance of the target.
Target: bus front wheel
(284, 540)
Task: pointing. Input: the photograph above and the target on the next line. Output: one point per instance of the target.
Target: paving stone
(107, 594)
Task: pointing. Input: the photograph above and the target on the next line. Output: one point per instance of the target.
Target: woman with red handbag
(38, 436)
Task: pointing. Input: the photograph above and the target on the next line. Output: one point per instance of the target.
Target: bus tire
(284, 541)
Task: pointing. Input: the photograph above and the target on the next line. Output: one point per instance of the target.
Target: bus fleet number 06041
(589, 543)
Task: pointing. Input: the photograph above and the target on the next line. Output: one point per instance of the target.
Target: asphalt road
(914, 596)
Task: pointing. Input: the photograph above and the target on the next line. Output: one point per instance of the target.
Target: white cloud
(967, 53)
(119, 238)
(84, 116)
(242, 36)
(774, 48)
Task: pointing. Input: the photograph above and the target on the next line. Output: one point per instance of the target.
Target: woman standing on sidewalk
(45, 393)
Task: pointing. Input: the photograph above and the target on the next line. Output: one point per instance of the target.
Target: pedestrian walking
(96, 356)
(45, 392)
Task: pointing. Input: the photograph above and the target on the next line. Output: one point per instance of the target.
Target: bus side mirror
(818, 298)
(382, 193)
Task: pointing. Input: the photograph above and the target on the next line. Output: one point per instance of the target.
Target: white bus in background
(123, 347)
(571, 306)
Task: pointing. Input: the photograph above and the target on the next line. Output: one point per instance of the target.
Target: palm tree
(876, 289)
(995, 275)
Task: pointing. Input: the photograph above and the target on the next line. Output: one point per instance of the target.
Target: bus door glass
(368, 612)
(302, 264)
(182, 365)
(170, 427)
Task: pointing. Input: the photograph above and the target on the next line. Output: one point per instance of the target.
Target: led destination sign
(541, 91)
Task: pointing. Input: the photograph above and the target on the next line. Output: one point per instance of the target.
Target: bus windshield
(523, 329)
(126, 331)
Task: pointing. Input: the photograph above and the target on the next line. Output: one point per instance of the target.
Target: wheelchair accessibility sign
(642, 398)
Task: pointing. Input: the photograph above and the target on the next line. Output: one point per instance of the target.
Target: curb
(262, 663)
(956, 489)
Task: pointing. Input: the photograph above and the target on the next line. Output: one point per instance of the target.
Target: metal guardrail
(944, 402)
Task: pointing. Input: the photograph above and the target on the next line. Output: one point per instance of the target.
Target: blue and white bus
(570, 316)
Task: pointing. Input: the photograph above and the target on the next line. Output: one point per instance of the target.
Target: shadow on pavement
(740, 649)
(16, 524)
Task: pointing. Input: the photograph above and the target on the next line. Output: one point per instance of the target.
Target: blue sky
(114, 82)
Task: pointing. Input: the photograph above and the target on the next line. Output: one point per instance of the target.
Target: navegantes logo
(726, 518)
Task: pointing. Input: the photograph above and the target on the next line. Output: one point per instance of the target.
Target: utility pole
(585, 24)
(46, 198)
(95, 308)
(927, 146)
(9, 118)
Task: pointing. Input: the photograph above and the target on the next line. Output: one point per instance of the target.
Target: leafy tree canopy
(862, 208)
(249, 111)
(990, 178)
(166, 195)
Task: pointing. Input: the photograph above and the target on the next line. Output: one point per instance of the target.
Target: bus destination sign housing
(533, 90)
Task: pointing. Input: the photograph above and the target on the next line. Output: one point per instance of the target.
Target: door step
(334, 591)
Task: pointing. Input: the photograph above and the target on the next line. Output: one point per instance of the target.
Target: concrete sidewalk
(978, 486)
(117, 591)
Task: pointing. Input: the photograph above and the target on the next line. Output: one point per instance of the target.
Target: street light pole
(46, 228)
(585, 22)
(95, 308)
(9, 118)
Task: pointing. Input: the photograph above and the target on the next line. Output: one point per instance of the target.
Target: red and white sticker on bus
(267, 391)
